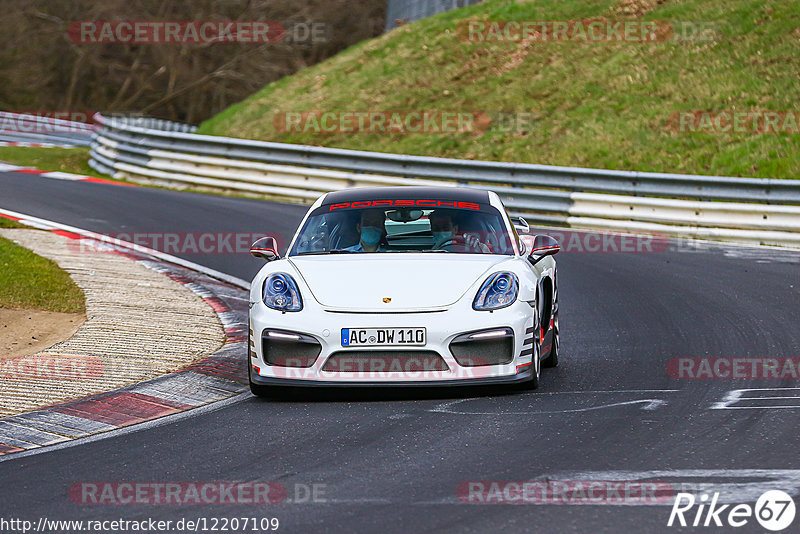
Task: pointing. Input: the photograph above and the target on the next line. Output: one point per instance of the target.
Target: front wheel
(536, 362)
(552, 358)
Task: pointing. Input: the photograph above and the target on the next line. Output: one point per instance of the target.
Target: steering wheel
(462, 240)
(448, 241)
(444, 243)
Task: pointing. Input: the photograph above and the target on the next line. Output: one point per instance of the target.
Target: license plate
(385, 337)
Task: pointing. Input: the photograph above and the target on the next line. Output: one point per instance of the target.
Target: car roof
(460, 194)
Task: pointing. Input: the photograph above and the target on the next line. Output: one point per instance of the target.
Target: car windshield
(477, 229)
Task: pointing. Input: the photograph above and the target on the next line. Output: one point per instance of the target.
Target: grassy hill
(589, 104)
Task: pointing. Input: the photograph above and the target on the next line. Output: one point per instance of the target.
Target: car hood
(411, 281)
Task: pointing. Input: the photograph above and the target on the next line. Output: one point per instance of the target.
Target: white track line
(47, 224)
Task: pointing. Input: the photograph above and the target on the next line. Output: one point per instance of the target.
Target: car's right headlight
(280, 293)
(498, 291)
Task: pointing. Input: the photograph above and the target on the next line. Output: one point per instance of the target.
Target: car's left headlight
(498, 291)
(280, 293)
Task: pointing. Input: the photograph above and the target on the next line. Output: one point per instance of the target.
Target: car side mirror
(265, 248)
(543, 245)
(520, 225)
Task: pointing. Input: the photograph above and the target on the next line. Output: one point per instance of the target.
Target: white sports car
(413, 286)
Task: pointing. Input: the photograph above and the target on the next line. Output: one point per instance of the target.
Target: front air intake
(485, 347)
(289, 349)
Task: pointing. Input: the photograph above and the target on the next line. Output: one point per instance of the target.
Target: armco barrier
(750, 210)
(27, 128)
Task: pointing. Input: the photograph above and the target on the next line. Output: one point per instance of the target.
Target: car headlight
(498, 291)
(280, 293)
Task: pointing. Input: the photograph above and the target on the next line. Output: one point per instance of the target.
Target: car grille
(364, 361)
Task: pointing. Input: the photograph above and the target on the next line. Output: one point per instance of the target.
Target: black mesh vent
(477, 352)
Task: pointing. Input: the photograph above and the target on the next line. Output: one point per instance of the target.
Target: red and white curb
(217, 377)
(58, 175)
(34, 145)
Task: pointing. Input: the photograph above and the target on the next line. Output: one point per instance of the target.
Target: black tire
(256, 389)
(552, 358)
(536, 363)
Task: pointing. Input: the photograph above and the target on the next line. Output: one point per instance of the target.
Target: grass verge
(589, 104)
(74, 160)
(31, 281)
(8, 223)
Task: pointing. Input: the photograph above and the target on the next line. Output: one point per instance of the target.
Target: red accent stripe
(30, 171)
(70, 235)
(104, 181)
(10, 217)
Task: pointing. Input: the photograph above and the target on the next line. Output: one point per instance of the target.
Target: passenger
(372, 232)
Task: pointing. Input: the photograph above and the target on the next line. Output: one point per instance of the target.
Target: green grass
(30, 281)
(26, 280)
(74, 160)
(8, 223)
(603, 105)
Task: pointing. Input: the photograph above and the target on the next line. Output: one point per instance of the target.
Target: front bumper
(524, 375)
(442, 328)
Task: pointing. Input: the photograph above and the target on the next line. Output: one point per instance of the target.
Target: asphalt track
(392, 461)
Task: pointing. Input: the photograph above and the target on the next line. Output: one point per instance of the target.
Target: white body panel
(434, 291)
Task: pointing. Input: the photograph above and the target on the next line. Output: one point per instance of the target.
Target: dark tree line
(43, 68)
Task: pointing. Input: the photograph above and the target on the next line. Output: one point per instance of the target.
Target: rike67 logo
(774, 510)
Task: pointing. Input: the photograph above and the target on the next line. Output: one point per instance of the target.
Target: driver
(445, 234)
(372, 232)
